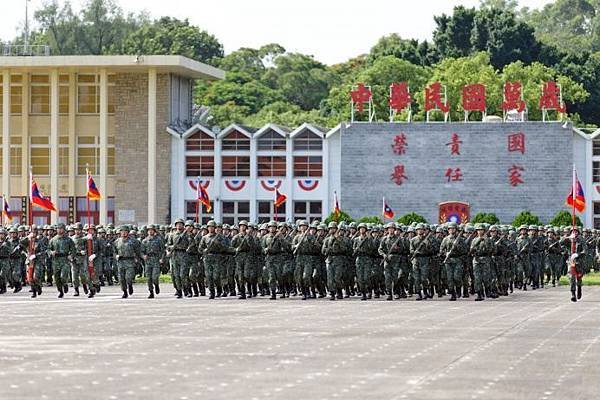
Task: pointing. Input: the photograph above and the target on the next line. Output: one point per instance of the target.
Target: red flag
(280, 198)
(387, 211)
(337, 211)
(6, 209)
(576, 198)
(38, 199)
(92, 191)
(202, 196)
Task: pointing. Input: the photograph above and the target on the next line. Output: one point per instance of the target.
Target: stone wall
(368, 160)
(131, 146)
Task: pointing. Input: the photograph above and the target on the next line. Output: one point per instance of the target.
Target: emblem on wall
(308, 184)
(454, 211)
(271, 184)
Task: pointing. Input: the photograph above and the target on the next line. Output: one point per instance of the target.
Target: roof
(176, 64)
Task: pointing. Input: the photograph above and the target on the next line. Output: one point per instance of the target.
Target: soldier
(481, 250)
(554, 257)
(576, 268)
(304, 248)
(93, 260)
(435, 270)
(362, 248)
(420, 248)
(242, 243)
(212, 247)
(37, 248)
(194, 256)
(523, 258)
(390, 248)
(153, 250)
(287, 270)
(126, 253)
(4, 261)
(79, 270)
(537, 249)
(61, 248)
(334, 252)
(377, 278)
(15, 252)
(273, 247)
(496, 262)
(177, 244)
(453, 249)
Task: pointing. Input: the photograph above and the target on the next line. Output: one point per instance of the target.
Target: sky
(330, 30)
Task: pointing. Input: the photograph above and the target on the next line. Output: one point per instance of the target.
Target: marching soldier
(61, 249)
(420, 248)
(453, 248)
(481, 250)
(212, 247)
(126, 253)
(153, 249)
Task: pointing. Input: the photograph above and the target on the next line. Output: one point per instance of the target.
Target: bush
(488, 218)
(342, 217)
(410, 218)
(563, 218)
(371, 220)
(526, 218)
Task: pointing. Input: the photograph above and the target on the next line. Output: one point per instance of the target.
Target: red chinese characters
(454, 175)
(473, 97)
(399, 146)
(515, 175)
(399, 96)
(454, 144)
(516, 142)
(398, 176)
(360, 96)
(433, 98)
(551, 98)
(512, 97)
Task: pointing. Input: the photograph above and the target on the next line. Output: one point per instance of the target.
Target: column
(26, 148)
(289, 180)
(178, 181)
(253, 180)
(325, 180)
(6, 133)
(152, 146)
(54, 113)
(103, 144)
(72, 136)
(217, 181)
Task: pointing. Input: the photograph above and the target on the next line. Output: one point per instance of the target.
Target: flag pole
(87, 195)
(3, 207)
(383, 208)
(197, 197)
(275, 208)
(573, 189)
(30, 211)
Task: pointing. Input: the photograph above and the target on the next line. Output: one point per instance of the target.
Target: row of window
(79, 212)
(87, 95)
(268, 166)
(232, 212)
(270, 141)
(87, 153)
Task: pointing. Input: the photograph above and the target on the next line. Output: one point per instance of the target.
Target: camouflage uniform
(127, 250)
(362, 250)
(212, 247)
(453, 249)
(273, 248)
(61, 248)
(421, 248)
(481, 249)
(153, 250)
(177, 245)
(334, 250)
(242, 243)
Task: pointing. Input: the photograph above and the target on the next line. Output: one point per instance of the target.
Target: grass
(591, 279)
(162, 279)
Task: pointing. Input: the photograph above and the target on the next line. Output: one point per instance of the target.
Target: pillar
(72, 171)
(289, 179)
(6, 133)
(26, 148)
(103, 145)
(217, 180)
(54, 114)
(152, 218)
(253, 180)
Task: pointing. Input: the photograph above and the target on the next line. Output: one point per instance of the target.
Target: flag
(202, 196)
(38, 199)
(92, 191)
(6, 209)
(387, 211)
(280, 198)
(576, 198)
(337, 211)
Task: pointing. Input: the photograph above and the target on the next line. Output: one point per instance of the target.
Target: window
(266, 212)
(63, 155)
(1, 158)
(307, 140)
(236, 141)
(200, 141)
(40, 94)
(271, 141)
(88, 94)
(82, 210)
(40, 155)
(271, 166)
(200, 165)
(308, 210)
(16, 210)
(16, 94)
(63, 94)
(203, 216)
(308, 166)
(596, 147)
(88, 154)
(15, 155)
(235, 211)
(236, 165)
(596, 171)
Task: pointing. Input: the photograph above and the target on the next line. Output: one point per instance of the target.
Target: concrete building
(110, 113)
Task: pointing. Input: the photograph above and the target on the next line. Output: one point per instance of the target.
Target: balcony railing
(8, 50)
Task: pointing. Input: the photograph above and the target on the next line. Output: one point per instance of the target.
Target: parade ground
(534, 345)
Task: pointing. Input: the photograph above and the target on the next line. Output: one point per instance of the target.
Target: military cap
(321, 227)
(452, 224)
(21, 228)
(479, 227)
(410, 228)
(390, 225)
(420, 226)
(226, 226)
(363, 225)
(533, 228)
(332, 224)
(342, 225)
(101, 230)
(314, 224)
(151, 226)
(352, 225)
(523, 227)
(302, 222)
(272, 224)
(77, 225)
(211, 223)
(60, 225)
(13, 230)
(178, 220)
(123, 228)
(439, 229)
(575, 228)
(493, 228)
(243, 222)
(70, 228)
(2, 231)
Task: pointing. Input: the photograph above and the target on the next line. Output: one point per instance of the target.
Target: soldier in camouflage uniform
(334, 250)
(242, 244)
(362, 248)
(576, 265)
(177, 244)
(537, 249)
(212, 247)
(60, 249)
(496, 262)
(554, 257)
(15, 253)
(523, 258)
(273, 248)
(93, 257)
(481, 250)
(35, 260)
(421, 248)
(435, 269)
(153, 250)
(4, 262)
(453, 249)
(305, 248)
(126, 253)
(79, 270)
(228, 265)
(390, 248)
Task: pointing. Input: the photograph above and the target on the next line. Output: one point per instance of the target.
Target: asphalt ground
(530, 345)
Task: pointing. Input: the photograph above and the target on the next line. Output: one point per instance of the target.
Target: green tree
(342, 217)
(418, 53)
(172, 36)
(526, 218)
(371, 220)
(286, 114)
(409, 218)
(452, 35)
(222, 115)
(564, 218)
(488, 218)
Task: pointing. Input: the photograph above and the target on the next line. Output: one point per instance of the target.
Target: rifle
(420, 246)
(90, 248)
(392, 247)
(295, 250)
(360, 246)
(451, 249)
(31, 265)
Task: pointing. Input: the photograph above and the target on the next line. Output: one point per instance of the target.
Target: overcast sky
(331, 30)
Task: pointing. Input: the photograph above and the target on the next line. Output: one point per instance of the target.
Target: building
(61, 114)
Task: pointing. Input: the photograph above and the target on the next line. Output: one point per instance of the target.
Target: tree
(526, 218)
(173, 36)
(564, 218)
(371, 220)
(342, 217)
(488, 218)
(418, 53)
(286, 114)
(408, 219)
(452, 35)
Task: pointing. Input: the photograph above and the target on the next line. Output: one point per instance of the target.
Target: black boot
(578, 292)
(66, 288)
(188, 292)
(34, 292)
(332, 295)
(339, 294)
(124, 294)
(347, 292)
(305, 293)
(39, 289)
(212, 293)
(151, 295)
(364, 296)
(61, 292)
(179, 294)
(195, 290)
(420, 296)
(390, 297)
(219, 291)
(76, 294)
(248, 289)
(157, 288)
(479, 297)
(573, 297)
(130, 288)
(273, 295)
(85, 289)
(92, 293)
(452, 296)
(466, 293)
(18, 287)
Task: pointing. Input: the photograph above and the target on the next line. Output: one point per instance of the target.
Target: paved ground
(532, 345)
